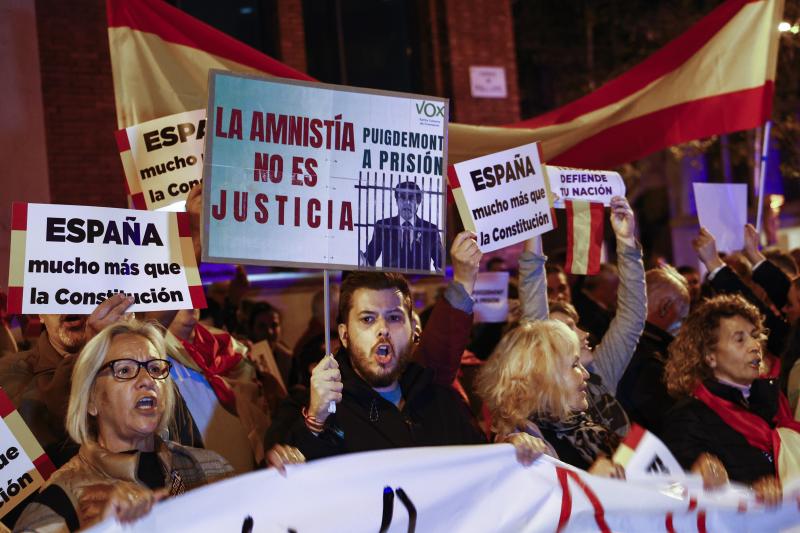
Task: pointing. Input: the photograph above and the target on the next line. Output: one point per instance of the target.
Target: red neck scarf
(752, 427)
(215, 356)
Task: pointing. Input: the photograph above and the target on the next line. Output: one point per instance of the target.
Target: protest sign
(69, 258)
(503, 197)
(311, 175)
(722, 210)
(163, 159)
(455, 488)
(491, 297)
(643, 454)
(581, 184)
(24, 464)
(262, 356)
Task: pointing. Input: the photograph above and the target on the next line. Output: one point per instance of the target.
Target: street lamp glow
(795, 29)
(784, 26)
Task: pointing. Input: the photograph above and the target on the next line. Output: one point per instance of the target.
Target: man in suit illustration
(407, 240)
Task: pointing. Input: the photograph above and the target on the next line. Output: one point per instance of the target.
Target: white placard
(722, 210)
(491, 297)
(581, 184)
(163, 159)
(319, 176)
(503, 197)
(649, 457)
(69, 258)
(488, 82)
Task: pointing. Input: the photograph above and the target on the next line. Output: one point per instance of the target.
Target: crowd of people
(135, 409)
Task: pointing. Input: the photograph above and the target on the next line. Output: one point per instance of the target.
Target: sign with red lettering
(163, 159)
(68, 259)
(320, 176)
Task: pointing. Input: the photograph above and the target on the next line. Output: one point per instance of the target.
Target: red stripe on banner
(668, 524)
(123, 143)
(137, 199)
(566, 499)
(44, 465)
(198, 297)
(19, 216)
(6, 405)
(701, 522)
(452, 177)
(175, 26)
(184, 227)
(570, 237)
(692, 503)
(595, 238)
(450, 198)
(635, 436)
(684, 122)
(667, 59)
(14, 302)
(599, 512)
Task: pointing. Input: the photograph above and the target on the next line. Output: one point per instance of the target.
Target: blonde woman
(121, 400)
(535, 383)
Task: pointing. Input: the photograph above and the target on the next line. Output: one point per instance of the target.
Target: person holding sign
(726, 409)
(406, 240)
(120, 400)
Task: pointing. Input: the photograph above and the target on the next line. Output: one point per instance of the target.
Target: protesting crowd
(133, 409)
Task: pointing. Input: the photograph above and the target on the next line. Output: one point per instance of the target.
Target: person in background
(595, 299)
(693, 283)
(121, 398)
(264, 324)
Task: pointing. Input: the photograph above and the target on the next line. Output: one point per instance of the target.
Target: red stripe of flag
(6, 405)
(137, 199)
(44, 465)
(596, 238)
(570, 237)
(19, 216)
(198, 297)
(123, 143)
(184, 228)
(635, 436)
(452, 177)
(14, 303)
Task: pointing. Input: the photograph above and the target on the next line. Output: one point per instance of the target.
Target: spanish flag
(584, 237)
(717, 77)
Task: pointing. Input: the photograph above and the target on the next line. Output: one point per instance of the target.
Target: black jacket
(432, 415)
(641, 391)
(692, 428)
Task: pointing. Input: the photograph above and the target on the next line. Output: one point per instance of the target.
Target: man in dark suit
(406, 240)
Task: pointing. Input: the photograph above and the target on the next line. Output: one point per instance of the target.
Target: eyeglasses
(129, 368)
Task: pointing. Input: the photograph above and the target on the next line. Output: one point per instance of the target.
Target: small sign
(488, 82)
(491, 297)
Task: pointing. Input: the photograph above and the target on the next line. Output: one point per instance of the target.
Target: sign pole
(762, 175)
(327, 299)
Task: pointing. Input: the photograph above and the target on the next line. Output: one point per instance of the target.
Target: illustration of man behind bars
(406, 240)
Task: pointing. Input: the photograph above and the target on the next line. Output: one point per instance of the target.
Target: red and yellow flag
(584, 237)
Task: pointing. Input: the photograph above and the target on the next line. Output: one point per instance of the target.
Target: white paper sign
(644, 455)
(163, 159)
(319, 176)
(504, 197)
(722, 210)
(491, 297)
(454, 489)
(587, 185)
(68, 259)
(488, 82)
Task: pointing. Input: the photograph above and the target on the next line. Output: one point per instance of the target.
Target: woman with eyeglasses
(121, 402)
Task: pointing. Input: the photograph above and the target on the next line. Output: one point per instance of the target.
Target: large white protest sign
(313, 175)
(69, 258)
(163, 159)
(587, 185)
(464, 488)
(722, 210)
(504, 197)
(25, 466)
(491, 297)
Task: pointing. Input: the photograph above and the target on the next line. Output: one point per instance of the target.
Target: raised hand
(706, 247)
(326, 387)
(622, 221)
(466, 260)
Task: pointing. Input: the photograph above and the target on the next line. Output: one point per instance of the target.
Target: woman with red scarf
(730, 422)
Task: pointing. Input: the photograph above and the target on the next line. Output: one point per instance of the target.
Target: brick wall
(481, 32)
(78, 96)
(292, 43)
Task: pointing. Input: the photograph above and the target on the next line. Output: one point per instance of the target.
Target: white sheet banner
(310, 175)
(504, 197)
(464, 488)
(587, 185)
(163, 159)
(68, 259)
(491, 297)
(722, 210)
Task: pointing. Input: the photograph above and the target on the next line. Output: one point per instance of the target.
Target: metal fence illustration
(385, 233)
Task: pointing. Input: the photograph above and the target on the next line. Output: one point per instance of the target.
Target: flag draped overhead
(715, 78)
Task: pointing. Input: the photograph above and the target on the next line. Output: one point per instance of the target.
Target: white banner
(463, 488)
(722, 210)
(320, 176)
(69, 258)
(587, 185)
(503, 197)
(491, 297)
(163, 159)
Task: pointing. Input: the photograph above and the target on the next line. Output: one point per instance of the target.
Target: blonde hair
(79, 424)
(524, 376)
